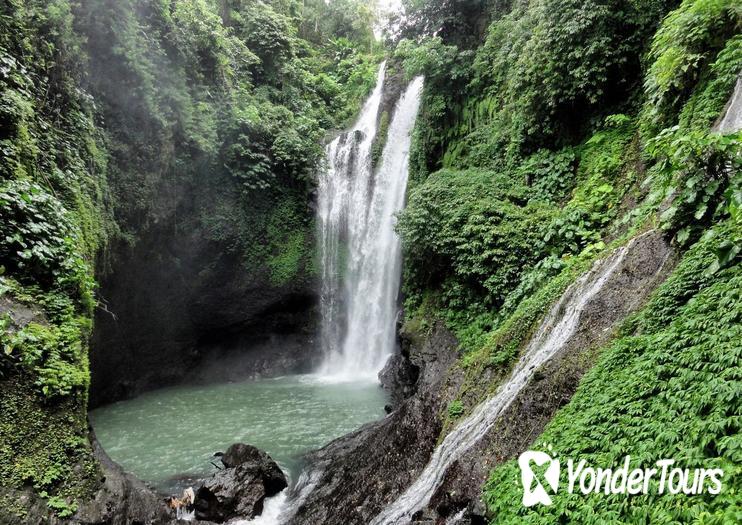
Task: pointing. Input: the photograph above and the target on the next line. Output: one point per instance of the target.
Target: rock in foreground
(249, 476)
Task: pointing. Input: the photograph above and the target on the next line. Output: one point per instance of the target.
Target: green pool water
(168, 437)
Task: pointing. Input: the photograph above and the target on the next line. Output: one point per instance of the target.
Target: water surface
(169, 436)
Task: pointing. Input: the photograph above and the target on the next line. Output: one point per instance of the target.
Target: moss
(43, 442)
(288, 242)
(44, 378)
(11, 505)
(501, 347)
(377, 148)
(291, 252)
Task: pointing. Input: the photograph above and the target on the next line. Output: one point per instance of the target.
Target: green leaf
(700, 211)
(683, 235)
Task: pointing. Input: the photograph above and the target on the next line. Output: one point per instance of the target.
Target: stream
(168, 437)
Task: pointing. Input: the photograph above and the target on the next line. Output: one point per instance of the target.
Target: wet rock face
(122, 498)
(552, 386)
(176, 303)
(399, 379)
(249, 476)
(360, 472)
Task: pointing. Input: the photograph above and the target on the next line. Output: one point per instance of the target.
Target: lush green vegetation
(569, 127)
(667, 388)
(227, 100)
(536, 169)
(54, 221)
(106, 110)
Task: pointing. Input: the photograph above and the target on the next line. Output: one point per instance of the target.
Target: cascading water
(360, 257)
(360, 252)
(553, 333)
(731, 121)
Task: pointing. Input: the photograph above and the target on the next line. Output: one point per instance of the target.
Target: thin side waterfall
(553, 333)
(731, 121)
(360, 252)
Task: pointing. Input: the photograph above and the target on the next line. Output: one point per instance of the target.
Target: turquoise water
(168, 437)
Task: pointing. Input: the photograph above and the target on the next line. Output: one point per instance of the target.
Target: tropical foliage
(572, 126)
(667, 388)
(103, 105)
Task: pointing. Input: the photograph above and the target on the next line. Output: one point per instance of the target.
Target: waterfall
(554, 332)
(731, 121)
(360, 253)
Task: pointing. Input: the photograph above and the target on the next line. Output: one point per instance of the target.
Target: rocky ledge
(239, 490)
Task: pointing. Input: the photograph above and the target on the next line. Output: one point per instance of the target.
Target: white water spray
(553, 333)
(360, 251)
(272, 509)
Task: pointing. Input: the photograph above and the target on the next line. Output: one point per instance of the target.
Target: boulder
(240, 489)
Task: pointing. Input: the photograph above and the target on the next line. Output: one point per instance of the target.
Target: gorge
(297, 263)
(166, 438)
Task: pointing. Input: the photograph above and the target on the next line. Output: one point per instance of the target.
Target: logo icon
(533, 490)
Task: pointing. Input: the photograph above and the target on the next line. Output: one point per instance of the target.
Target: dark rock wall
(177, 300)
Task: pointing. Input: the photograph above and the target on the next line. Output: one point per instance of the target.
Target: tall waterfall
(553, 333)
(359, 249)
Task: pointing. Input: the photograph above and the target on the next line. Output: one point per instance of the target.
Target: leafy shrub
(601, 159)
(270, 36)
(550, 175)
(447, 71)
(53, 354)
(545, 70)
(532, 281)
(699, 169)
(62, 507)
(574, 229)
(469, 234)
(347, 83)
(688, 40)
(268, 146)
(38, 241)
(455, 409)
(432, 58)
(708, 99)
